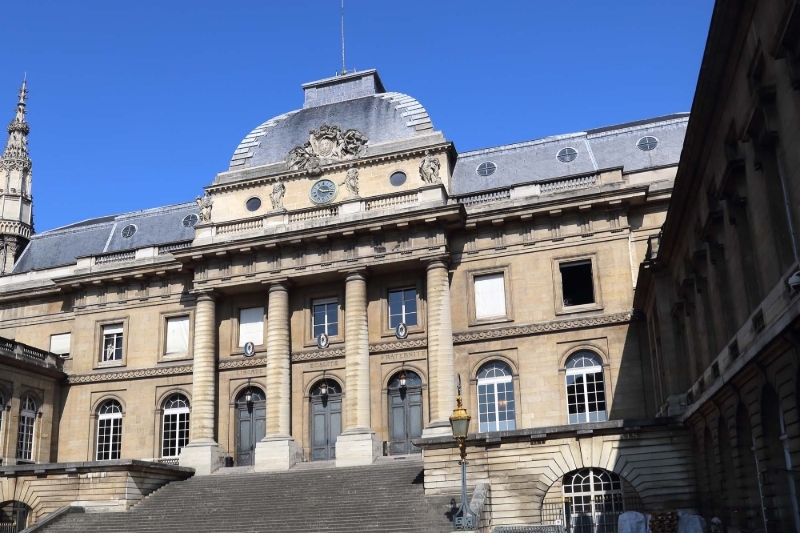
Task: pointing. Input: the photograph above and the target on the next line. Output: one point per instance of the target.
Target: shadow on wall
(632, 389)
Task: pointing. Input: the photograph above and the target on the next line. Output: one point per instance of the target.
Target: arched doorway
(589, 500)
(405, 412)
(251, 423)
(14, 517)
(326, 419)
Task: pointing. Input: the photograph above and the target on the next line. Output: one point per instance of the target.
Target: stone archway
(589, 500)
(14, 516)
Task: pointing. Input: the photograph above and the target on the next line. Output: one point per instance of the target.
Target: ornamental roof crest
(327, 145)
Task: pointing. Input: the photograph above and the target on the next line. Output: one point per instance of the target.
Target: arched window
(175, 428)
(27, 419)
(594, 497)
(109, 431)
(496, 397)
(586, 391)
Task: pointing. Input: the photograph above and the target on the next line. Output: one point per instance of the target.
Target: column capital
(281, 284)
(438, 262)
(204, 294)
(354, 273)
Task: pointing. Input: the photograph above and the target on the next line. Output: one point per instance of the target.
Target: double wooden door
(405, 414)
(251, 425)
(326, 420)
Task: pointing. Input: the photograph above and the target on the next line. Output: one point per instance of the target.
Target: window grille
(112, 343)
(403, 307)
(27, 420)
(586, 396)
(595, 500)
(326, 317)
(175, 434)
(496, 397)
(109, 431)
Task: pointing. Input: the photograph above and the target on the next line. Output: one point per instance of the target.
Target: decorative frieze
(129, 374)
(398, 345)
(318, 354)
(246, 362)
(543, 327)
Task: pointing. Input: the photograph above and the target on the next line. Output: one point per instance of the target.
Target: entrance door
(13, 517)
(251, 424)
(405, 412)
(326, 419)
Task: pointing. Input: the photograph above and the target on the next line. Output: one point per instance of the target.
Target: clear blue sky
(139, 104)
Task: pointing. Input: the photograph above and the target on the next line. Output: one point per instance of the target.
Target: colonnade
(358, 444)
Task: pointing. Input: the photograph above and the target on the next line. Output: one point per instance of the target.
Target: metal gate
(13, 518)
(583, 517)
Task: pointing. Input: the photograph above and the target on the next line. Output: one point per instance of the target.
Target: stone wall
(654, 457)
(97, 486)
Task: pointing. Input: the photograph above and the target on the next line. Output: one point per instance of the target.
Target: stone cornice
(543, 327)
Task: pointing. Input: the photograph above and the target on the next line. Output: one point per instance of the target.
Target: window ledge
(573, 309)
(493, 320)
(109, 364)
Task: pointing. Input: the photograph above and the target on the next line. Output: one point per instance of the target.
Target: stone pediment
(325, 146)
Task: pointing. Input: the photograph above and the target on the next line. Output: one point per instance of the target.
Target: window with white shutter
(59, 344)
(490, 296)
(251, 326)
(177, 335)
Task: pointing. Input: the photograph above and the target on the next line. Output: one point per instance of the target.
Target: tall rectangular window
(112, 342)
(403, 307)
(490, 296)
(325, 317)
(177, 335)
(576, 283)
(59, 344)
(109, 438)
(251, 326)
(25, 437)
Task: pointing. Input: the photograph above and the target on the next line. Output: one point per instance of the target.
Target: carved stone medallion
(327, 145)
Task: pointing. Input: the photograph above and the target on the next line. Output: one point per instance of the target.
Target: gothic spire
(16, 151)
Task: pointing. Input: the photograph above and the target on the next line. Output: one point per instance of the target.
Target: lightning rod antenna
(344, 70)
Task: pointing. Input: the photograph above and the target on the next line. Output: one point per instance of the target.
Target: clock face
(323, 191)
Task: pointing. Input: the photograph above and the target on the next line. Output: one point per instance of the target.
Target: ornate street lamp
(464, 519)
(403, 377)
(248, 395)
(323, 387)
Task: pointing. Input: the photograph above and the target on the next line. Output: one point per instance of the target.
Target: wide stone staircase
(387, 496)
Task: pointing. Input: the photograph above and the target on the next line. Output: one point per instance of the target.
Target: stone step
(387, 496)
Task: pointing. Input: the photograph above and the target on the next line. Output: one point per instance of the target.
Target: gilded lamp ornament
(465, 518)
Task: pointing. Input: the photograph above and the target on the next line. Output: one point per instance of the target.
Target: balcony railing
(115, 258)
(313, 214)
(169, 248)
(485, 198)
(23, 352)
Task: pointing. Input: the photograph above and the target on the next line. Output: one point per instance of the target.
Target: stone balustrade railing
(239, 226)
(115, 258)
(568, 184)
(169, 248)
(485, 197)
(391, 201)
(313, 214)
(23, 352)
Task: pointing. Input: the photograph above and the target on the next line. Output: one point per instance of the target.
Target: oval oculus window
(486, 169)
(128, 231)
(397, 178)
(565, 155)
(253, 204)
(190, 220)
(647, 143)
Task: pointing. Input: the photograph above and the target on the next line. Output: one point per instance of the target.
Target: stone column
(441, 368)
(278, 450)
(203, 453)
(358, 445)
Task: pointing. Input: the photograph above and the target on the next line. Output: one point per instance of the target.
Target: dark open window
(576, 283)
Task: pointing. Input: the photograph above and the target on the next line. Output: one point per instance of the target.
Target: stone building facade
(323, 296)
(719, 285)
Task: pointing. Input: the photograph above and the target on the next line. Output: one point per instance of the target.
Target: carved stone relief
(278, 192)
(351, 182)
(327, 145)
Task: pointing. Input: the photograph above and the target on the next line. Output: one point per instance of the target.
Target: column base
(204, 457)
(277, 453)
(438, 428)
(357, 447)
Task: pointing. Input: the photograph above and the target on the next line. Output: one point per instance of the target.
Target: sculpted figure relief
(351, 181)
(278, 190)
(327, 145)
(429, 169)
(204, 204)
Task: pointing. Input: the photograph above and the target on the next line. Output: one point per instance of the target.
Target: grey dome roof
(354, 101)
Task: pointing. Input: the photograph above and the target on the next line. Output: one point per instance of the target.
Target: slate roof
(62, 246)
(602, 148)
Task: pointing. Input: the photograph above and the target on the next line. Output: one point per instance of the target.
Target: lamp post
(464, 519)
